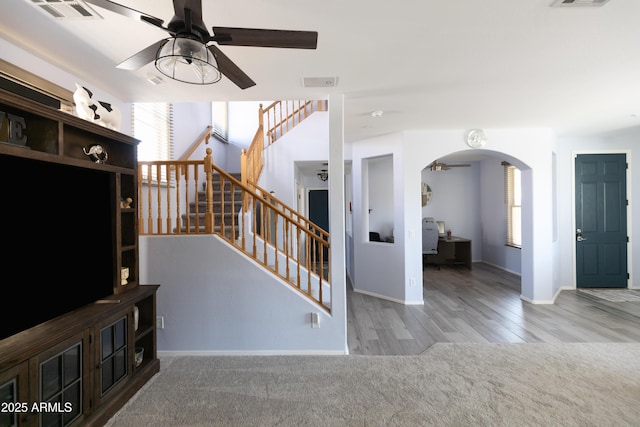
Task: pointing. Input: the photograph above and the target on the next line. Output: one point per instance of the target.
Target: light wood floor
(482, 305)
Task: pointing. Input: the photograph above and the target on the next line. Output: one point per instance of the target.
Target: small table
(453, 251)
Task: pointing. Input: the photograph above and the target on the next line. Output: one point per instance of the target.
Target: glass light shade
(188, 61)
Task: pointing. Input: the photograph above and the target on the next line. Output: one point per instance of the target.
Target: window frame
(513, 204)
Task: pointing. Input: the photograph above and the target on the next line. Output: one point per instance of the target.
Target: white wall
(31, 63)
(394, 272)
(209, 308)
(306, 142)
(244, 121)
(380, 269)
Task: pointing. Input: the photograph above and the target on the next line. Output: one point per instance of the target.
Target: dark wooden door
(319, 208)
(601, 221)
(319, 215)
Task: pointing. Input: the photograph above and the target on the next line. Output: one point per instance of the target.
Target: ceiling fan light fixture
(187, 61)
(323, 175)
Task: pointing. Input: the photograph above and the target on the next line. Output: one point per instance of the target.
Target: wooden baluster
(243, 177)
(254, 223)
(263, 228)
(275, 244)
(299, 281)
(138, 204)
(196, 180)
(169, 218)
(307, 244)
(287, 253)
(150, 215)
(208, 170)
(221, 222)
(159, 200)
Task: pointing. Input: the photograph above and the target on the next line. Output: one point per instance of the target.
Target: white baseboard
(388, 298)
(254, 353)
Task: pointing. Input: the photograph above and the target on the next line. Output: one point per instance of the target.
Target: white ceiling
(456, 64)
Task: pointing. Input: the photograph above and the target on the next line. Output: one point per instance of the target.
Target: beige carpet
(448, 385)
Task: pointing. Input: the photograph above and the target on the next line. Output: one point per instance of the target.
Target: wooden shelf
(99, 330)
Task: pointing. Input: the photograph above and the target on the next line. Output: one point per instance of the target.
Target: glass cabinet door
(9, 399)
(113, 354)
(14, 396)
(61, 387)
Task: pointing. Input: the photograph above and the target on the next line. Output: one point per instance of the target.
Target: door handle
(579, 237)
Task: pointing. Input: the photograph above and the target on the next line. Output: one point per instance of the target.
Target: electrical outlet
(412, 281)
(160, 322)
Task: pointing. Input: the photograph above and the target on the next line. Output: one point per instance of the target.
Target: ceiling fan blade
(231, 70)
(128, 12)
(265, 38)
(142, 58)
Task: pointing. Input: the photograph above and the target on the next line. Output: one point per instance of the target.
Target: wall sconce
(323, 175)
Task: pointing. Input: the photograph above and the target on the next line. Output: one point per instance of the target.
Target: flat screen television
(58, 240)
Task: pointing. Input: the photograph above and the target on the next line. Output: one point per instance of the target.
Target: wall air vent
(579, 3)
(65, 9)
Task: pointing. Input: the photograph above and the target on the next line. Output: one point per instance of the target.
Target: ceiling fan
(189, 57)
(437, 166)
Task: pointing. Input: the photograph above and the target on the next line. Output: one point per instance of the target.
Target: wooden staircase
(197, 197)
(227, 203)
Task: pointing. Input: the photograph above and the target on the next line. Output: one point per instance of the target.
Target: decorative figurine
(124, 275)
(126, 203)
(102, 113)
(96, 153)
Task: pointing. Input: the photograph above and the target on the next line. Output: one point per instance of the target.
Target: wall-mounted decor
(426, 194)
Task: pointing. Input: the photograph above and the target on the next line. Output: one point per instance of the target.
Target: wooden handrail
(286, 210)
(204, 137)
(197, 197)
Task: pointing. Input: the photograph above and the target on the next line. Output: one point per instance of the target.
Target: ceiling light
(323, 175)
(378, 113)
(187, 61)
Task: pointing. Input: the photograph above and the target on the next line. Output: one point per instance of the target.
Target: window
(152, 124)
(220, 120)
(513, 200)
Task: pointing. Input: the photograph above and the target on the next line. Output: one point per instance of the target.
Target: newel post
(243, 175)
(208, 170)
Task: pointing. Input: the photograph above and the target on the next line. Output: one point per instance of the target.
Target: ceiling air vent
(579, 3)
(65, 9)
(319, 81)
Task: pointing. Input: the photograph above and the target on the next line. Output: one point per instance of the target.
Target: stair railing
(282, 116)
(197, 197)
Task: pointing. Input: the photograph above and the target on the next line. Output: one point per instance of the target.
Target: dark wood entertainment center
(70, 348)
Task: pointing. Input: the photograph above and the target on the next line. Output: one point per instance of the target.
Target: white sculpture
(99, 112)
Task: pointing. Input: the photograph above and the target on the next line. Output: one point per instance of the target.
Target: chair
(430, 235)
(374, 236)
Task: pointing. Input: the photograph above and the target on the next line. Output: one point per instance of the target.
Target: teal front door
(601, 221)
